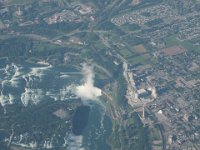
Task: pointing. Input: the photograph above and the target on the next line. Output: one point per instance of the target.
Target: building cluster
(64, 16)
(74, 15)
(170, 21)
(140, 91)
(143, 16)
(176, 108)
(175, 82)
(187, 28)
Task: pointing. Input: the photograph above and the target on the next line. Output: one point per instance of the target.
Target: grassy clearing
(139, 49)
(125, 53)
(155, 134)
(44, 46)
(137, 60)
(172, 41)
(140, 59)
(99, 45)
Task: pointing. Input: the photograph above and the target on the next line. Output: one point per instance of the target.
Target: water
(80, 119)
(94, 125)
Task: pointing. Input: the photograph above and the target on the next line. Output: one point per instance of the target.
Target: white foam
(12, 73)
(39, 71)
(64, 93)
(87, 91)
(7, 99)
(11, 99)
(3, 100)
(32, 96)
(47, 144)
(75, 142)
(64, 76)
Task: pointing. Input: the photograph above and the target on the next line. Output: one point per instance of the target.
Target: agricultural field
(173, 40)
(140, 49)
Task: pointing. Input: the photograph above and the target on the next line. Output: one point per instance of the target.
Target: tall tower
(143, 112)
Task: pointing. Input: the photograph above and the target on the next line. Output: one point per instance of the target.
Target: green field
(172, 41)
(137, 60)
(44, 47)
(125, 53)
(155, 134)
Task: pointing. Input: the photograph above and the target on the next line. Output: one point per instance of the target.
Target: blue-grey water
(95, 127)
